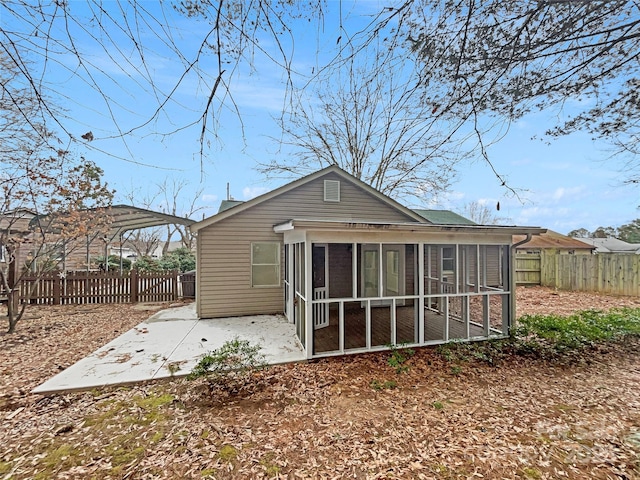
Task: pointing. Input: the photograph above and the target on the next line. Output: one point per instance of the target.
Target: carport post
(120, 253)
(106, 254)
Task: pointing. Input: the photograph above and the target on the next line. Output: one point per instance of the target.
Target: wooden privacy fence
(614, 273)
(99, 287)
(527, 268)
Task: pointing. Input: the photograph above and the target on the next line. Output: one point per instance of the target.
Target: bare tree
(369, 118)
(481, 64)
(166, 197)
(35, 243)
(146, 240)
(50, 199)
(480, 213)
(111, 47)
(502, 60)
(173, 192)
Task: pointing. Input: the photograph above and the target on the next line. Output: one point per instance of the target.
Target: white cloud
(209, 198)
(252, 192)
(565, 193)
(541, 215)
(445, 200)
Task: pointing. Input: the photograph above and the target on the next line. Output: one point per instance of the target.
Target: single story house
(530, 254)
(555, 242)
(353, 269)
(612, 245)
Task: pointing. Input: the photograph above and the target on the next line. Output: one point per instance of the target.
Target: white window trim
(279, 264)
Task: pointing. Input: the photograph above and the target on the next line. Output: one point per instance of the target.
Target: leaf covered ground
(453, 413)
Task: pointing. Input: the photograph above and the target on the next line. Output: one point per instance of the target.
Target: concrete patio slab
(170, 343)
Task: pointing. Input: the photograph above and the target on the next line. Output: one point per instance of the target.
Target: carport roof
(128, 217)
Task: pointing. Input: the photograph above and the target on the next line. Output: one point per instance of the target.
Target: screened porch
(355, 297)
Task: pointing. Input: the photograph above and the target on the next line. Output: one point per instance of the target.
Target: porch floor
(326, 339)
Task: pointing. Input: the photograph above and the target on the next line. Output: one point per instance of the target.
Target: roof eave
(365, 225)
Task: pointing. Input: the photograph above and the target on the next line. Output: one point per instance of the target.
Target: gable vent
(332, 190)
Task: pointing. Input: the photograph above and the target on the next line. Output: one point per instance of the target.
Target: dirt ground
(348, 417)
(547, 301)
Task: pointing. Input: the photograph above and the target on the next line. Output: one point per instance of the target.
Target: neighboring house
(612, 245)
(353, 269)
(555, 241)
(129, 252)
(22, 228)
(529, 258)
(15, 228)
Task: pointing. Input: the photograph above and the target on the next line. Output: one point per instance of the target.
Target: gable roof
(233, 210)
(444, 217)
(552, 239)
(17, 221)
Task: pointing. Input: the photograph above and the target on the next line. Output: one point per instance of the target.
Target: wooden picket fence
(59, 288)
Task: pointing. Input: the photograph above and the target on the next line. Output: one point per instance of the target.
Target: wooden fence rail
(99, 287)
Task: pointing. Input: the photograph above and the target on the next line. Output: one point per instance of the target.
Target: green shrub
(237, 357)
(557, 334)
(386, 385)
(399, 357)
(148, 265)
(114, 263)
(181, 259)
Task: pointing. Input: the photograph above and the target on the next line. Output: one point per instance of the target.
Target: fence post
(133, 287)
(57, 280)
(175, 285)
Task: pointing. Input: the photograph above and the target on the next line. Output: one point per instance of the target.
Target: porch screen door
(320, 267)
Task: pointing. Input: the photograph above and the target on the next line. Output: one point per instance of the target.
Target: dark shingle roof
(444, 217)
(227, 204)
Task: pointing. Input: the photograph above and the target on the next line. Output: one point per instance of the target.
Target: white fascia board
(283, 227)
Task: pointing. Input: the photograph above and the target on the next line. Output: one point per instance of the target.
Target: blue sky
(567, 184)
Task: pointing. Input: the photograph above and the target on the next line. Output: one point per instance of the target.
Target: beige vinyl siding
(224, 248)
